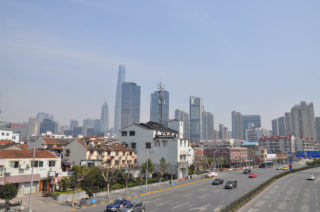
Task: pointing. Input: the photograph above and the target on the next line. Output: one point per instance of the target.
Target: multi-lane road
(290, 193)
(200, 196)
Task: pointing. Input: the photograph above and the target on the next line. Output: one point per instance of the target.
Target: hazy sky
(62, 57)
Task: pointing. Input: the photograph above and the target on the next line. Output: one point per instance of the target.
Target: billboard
(307, 154)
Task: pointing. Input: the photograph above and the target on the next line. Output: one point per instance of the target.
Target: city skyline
(67, 67)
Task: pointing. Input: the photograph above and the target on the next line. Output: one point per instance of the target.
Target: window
(133, 145)
(2, 133)
(40, 163)
(117, 162)
(132, 133)
(117, 153)
(148, 145)
(52, 163)
(91, 152)
(130, 153)
(124, 133)
(14, 164)
(123, 161)
(124, 153)
(100, 153)
(109, 153)
(7, 134)
(35, 163)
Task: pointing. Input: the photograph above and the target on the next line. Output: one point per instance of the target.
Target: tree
(7, 193)
(150, 166)
(163, 168)
(173, 169)
(107, 173)
(79, 172)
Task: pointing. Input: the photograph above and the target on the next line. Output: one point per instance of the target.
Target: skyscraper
(33, 127)
(130, 103)
(160, 105)
(281, 126)
(117, 110)
(48, 125)
(73, 123)
(183, 116)
(303, 123)
(247, 120)
(275, 129)
(317, 126)
(41, 116)
(104, 120)
(196, 108)
(237, 130)
(223, 132)
(288, 123)
(207, 126)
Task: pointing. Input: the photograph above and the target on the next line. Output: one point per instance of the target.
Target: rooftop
(4, 154)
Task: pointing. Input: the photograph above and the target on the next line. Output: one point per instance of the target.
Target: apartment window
(52, 163)
(130, 153)
(124, 133)
(100, 153)
(14, 164)
(91, 152)
(132, 133)
(109, 153)
(133, 145)
(148, 145)
(2, 133)
(40, 163)
(123, 161)
(35, 163)
(117, 153)
(123, 153)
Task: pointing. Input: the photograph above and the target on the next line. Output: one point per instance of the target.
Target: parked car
(247, 171)
(117, 204)
(217, 181)
(253, 175)
(134, 207)
(310, 177)
(231, 184)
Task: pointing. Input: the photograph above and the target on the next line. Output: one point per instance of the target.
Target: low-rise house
(111, 154)
(52, 144)
(155, 141)
(9, 135)
(237, 156)
(16, 168)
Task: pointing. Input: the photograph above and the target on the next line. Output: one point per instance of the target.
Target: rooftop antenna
(161, 89)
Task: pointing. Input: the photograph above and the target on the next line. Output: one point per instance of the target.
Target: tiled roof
(25, 154)
(4, 142)
(53, 141)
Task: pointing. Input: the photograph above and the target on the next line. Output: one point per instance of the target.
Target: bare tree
(106, 172)
(163, 168)
(173, 170)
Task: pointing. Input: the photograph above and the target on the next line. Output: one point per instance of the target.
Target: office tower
(117, 110)
(92, 124)
(104, 118)
(41, 116)
(130, 103)
(288, 124)
(48, 125)
(223, 132)
(317, 126)
(196, 108)
(159, 106)
(33, 127)
(207, 126)
(237, 130)
(77, 131)
(281, 126)
(275, 129)
(303, 123)
(247, 120)
(73, 123)
(183, 116)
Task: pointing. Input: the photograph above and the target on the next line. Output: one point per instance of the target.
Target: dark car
(217, 181)
(115, 206)
(134, 207)
(231, 184)
(247, 171)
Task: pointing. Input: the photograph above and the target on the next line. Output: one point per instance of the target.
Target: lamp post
(147, 169)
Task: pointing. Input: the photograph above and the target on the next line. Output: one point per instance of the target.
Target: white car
(311, 177)
(211, 174)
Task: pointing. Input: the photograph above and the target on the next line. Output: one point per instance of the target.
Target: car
(253, 175)
(247, 171)
(231, 169)
(279, 168)
(117, 204)
(209, 174)
(231, 184)
(217, 181)
(310, 177)
(134, 207)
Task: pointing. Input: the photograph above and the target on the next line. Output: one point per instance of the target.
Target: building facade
(248, 121)
(104, 118)
(159, 104)
(9, 135)
(207, 126)
(185, 118)
(255, 133)
(317, 126)
(237, 128)
(130, 104)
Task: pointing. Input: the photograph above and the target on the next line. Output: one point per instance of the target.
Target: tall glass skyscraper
(155, 107)
(196, 109)
(183, 116)
(104, 118)
(117, 109)
(237, 130)
(130, 103)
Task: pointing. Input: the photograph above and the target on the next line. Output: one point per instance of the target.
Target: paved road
(201, 196)
(290, 193)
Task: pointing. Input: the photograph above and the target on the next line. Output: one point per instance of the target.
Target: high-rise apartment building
(73, 123)
(183, 116)
(41, 116)
(223, 132)
(104, 119)
(275, 129)
(130, 103)
(207, 126)
(248, 120)
(117, 110)
(281, 126)
(196, 108)
(33, 127)
(237, 128)
(317, 126)
(159, 107)
(288, 124)
(255, 133)
(303, 123)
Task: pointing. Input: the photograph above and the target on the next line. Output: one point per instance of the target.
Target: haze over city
(254, 57)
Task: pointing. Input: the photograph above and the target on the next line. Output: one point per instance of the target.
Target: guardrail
(233, 206)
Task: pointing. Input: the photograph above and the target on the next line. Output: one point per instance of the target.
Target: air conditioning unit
(22, 166)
